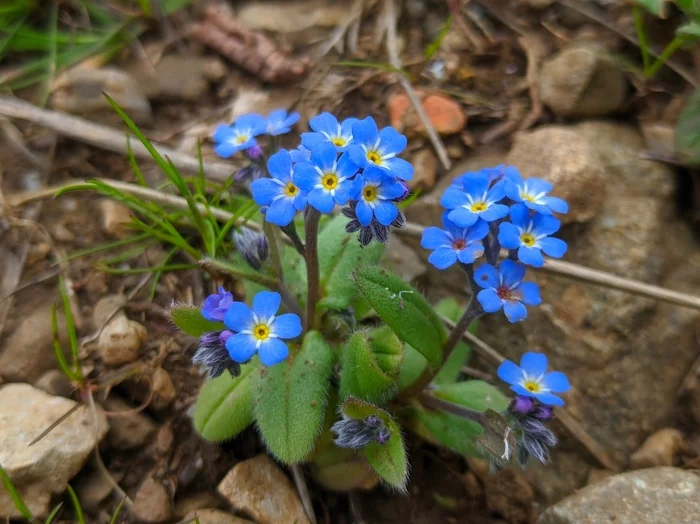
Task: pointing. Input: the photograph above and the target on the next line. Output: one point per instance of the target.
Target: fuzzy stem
(312, 273)
(291, 231)
(492, 247)
(431, 401)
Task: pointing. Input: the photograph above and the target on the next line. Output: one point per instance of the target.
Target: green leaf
(339, 254)
(190, 320)
(497, 442)
(473, 394)
(225, 404)
(291, 400)
(412, 366)
(655, 7)
(691, 30)
(388, 460)
(371, 366)
(688, 131)
(452, 368)
(404, 310)
(444, 429)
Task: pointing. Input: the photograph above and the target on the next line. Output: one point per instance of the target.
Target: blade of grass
(15, 496)
(52, 52)
(134, 164)
(54, 513)
(79, 514)
(117, 512)
(11, 32)
(70, 327)
(224, 266)
(641, 36)
(125, 255)
(102, 247)
(248, 209)
(58, 350)
(141, 270)
(434, 46)
(156, 276)
(671, 48)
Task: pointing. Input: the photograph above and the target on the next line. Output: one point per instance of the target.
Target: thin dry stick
(393, 51)
(303, 490)
(103, 137)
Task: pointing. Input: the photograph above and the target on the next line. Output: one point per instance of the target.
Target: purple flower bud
(248, 174)
(252, 246)
(373, 422)
(216, 305)
(225, 335)
(352, 433)
(543, 413)
(406, 191)
(521, 405)
(254, 152)
(383, 436)
(213, 355)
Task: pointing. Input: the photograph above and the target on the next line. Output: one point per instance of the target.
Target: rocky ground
(538, 84)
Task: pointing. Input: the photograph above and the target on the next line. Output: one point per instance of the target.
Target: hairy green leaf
(444, 429)
(691, 30)
(190, 320)
(412, 366)
(473, 394)
(225, 404)
(290, 400)
(655, 7)
(404, 310)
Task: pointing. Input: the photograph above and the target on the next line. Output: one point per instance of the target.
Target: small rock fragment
(127, 431)
(106, 308)
(153, 502)
(292, 16)
(658, 449)
(92, 488)
(425, 167)
(55, 382)
(443, 112)
(660, 137)
(195, 502)
(115, 217)
(257, 487)
(215, 516)
(120, 340)
(598, 475)
(163, 390)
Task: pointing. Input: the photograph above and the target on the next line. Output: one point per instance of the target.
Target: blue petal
(241, 347)
(321, 200)
(346, 167)
(391, 141)
(556, 381)
(266, 304)
(280, 165)
(534, 364)
(239, 317)
(374, 175)
(357, 155)
(487, 276)
(313, 140)
(226, 149)
(517, 388)
(540, 208)
(494, 212)
(273, 351)
(489, 300)
(553, 247)
(385, 212)
(477, 231)
(520, 216)
(470, 253)
(512, 272)
(537, 185)
(256, 123)
(512, 190)
(364, 213)
(512, 173)
(476, 185)
(300, 201)
(463, 217)
(496, 193)
(324, 123)
(508, 235)
(557, 205)
(453, 229)
(434, 237)
(222, 133)
(453, 197)
(264, 190)
(305, 176)
(443, 257)
(391, 190)
(365, 131)
(346, 126)
(400, 168)
(300, 154)
(530, 293)
(548, 399)
(291, 119)
(286, 326)
(344, 191)
(281, 212)
(544, 224)
(324, 155)
(514, 311)
(531, 256)
(509, 372)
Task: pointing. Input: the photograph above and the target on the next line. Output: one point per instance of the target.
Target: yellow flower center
(291, 190)
(527, 196)
(330, 181)
(527, 239)
(532, 386)
(261, 332)
(374, 157)
(478, 207)
(338, 141)
(240, 139)
(369, 193)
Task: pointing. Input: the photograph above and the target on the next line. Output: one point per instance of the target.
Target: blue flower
(260, 330)
(454, 243)
(280, 192)
(239, 136)
(471, 199)
(533, 193)
(531, 379)
(494, 174)
(216, 305)
(326, 178)
(279, 122)
(372, 147)
(530, 236)
(374, 193)
(506, 289)
(300, 154)
(327, 129)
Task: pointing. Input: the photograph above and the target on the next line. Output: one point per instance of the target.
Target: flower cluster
(492, 209)
(241, 135)
(249, 331)
(350, 163)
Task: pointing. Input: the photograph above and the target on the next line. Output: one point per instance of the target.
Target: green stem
(312, 272)
(291, 231)
(665, 55)
(275, 256)
(642, 36)
(252, 275)
(433, 402)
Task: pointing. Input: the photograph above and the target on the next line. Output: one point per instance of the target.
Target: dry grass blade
(55, 424)
(303, 490)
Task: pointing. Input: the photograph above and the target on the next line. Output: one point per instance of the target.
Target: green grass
(15, 496)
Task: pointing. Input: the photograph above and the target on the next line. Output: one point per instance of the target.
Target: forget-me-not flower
(530, 236)
(280, 192)
(533, 193)
(327, 179)
(454, 243)
(531, 379)
(216, 305)
(328, 129)
(379, 148)
(260, 330)
(239, 136)
(279, 122)
(374, 193)
(495, 174)
(506, 289)
(471, 199)
(300, 154)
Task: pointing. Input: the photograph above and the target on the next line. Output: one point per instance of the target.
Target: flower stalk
(311, 220)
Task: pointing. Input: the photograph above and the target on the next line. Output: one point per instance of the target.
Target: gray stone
(647, 496)
(44, 468)
(120, 340)
(128, 431)
(164, 391)
(153, 502)
(659, 449)
(55, 382)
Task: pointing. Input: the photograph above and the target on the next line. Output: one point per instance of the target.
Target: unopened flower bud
(248, 174)
(254, 152)
(352, 433)
(521, 405)
(252, 246)
(543, 413)
(373, 422)
(213, 355)
(383, 436)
